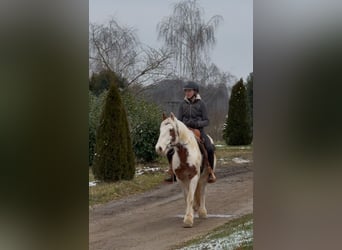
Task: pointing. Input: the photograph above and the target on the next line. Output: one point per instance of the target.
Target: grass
(104, 192)
(244, 223)
(227, 153)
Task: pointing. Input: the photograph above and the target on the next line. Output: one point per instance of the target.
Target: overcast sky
(234, 48)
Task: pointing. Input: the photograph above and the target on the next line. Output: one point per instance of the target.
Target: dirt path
(153, 220)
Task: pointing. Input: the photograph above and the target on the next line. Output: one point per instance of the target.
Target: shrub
(100, 82)
(237, 126)
(95, 106)
(114, 158)
(144, 119)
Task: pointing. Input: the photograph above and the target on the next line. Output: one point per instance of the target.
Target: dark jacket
(194, 113)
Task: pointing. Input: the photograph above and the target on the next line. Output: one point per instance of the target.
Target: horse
(186, 164)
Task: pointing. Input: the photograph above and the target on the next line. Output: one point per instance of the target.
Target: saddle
(197, 134)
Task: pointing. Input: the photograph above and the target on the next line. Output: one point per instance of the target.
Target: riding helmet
(191, 85)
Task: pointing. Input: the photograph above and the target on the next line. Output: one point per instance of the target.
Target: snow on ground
(138, 172)
(92, 183)
(229, 242)
(240, 160)
(209, 215)
(145, 170)
(223, 145)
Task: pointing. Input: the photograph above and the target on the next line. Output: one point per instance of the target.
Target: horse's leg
(189, 213)
(197, 198)
(185, 188)
(202, 212)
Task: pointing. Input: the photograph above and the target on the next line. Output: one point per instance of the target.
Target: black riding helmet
(191, 85)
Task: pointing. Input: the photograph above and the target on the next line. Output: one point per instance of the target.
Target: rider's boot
(172, 177)
(211, 177)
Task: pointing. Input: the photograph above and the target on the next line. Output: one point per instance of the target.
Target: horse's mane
(185, 133)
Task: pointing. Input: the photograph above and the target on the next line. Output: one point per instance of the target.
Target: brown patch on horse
(164, 116)
(184, 171)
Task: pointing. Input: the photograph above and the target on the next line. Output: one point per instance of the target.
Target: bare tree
(188, 36)
(210, 74)
(113, 47)
(152, 66)
(117, 48)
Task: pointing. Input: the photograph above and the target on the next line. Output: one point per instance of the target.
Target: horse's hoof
(187, 225)
(202, 213)
(188, 221)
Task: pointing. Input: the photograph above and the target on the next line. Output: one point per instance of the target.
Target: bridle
(172, 143)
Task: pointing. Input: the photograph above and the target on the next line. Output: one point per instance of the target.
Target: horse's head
(168, 134)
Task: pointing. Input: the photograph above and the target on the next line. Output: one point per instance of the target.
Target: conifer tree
(237, 129)
(250, 101)
(114, 158)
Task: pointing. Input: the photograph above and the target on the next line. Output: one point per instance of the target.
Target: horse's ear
(164, 116)
(172, 116)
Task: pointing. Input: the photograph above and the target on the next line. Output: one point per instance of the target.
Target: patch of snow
(139, 172)
(92, 183)
(240, 160)
(209, 215)
(229, 242)
(145, 170)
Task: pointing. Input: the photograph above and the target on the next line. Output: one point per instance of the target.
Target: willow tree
(188, 36)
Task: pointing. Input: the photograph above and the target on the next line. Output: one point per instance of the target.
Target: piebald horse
(186, 165)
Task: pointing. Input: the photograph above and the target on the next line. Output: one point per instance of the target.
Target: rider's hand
(192, 124)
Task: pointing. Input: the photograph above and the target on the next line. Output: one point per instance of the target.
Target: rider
(193, 113)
